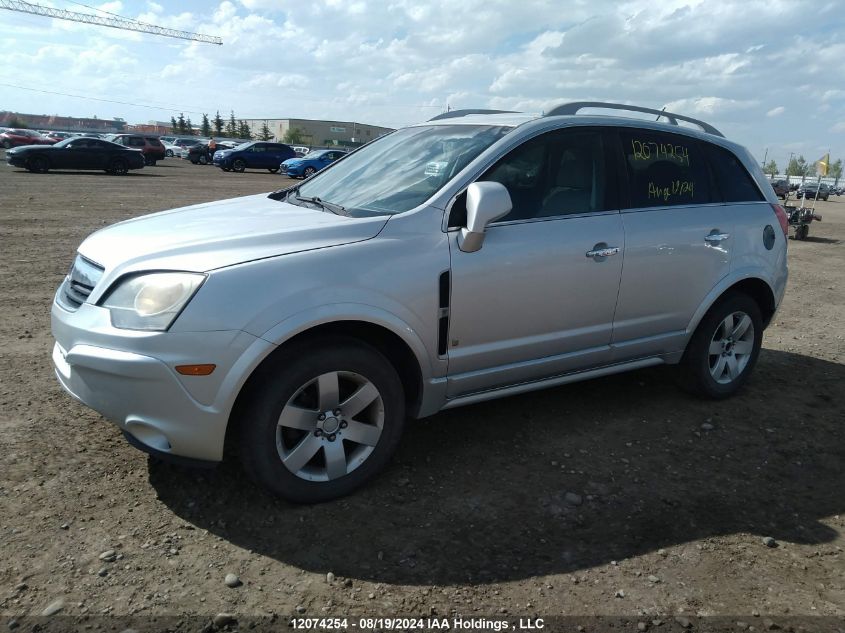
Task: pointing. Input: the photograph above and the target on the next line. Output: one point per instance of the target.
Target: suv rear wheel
(321, 421)
(724, 348)
(238, 165)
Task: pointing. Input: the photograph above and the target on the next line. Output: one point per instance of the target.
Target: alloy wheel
(330, 426)
(731, 347)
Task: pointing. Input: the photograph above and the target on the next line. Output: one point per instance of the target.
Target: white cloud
(394, 62)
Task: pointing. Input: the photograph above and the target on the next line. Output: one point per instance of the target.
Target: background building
(63, 123)
(318, 133)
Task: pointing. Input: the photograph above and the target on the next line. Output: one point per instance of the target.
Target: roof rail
(575, 106)
(459, 113)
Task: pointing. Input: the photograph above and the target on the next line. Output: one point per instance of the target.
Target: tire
(7, 144)
(803, 232)
(273, 170)
(238, 165)
(226, 168)
(118, 167)
(709, 374)
(203, 159)
(289, 387)
(38, 165)
(308, 172)
(168, 153)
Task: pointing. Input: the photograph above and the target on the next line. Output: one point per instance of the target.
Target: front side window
(401, 170)
(559, 173)
(664, 170)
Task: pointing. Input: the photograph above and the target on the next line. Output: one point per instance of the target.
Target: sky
(768, 73)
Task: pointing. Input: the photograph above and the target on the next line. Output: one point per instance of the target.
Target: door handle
(715, 237)
(606, 251)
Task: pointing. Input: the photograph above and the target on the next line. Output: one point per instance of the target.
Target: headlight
(151, 301)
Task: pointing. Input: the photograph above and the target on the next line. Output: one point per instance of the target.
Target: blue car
(253, 155)
(311, 163)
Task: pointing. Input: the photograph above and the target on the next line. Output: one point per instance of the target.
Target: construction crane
(115, 22)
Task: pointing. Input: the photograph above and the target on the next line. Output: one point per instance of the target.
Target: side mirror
(486, 203)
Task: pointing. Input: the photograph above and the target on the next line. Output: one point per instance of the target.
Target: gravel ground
(618, 497)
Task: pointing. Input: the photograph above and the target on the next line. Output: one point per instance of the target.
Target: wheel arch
(37, 155)
(753, 285)
(392, 346)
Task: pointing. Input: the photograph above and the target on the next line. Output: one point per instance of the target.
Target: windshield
(401, 170)
(315, 153)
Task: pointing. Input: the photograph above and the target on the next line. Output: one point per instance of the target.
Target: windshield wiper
(291, 195)
(328, 206)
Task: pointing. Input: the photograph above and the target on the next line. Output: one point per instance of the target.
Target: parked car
(810, 188)
(58, 136)
(304, 326)
(781, 188)
(311, 163)
(77, 153)
(16, 137)
(254, 155)
(201, 154)
(301, 150)
(150, 146)
(170, 149)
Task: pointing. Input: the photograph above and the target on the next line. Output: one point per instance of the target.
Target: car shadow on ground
(820, 240)
(95, 174)
(479, 493)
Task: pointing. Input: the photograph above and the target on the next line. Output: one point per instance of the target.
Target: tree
(173, 126)
(294, 135)
(771, 168)
(244, 130)
(836, 169)
(218, 124)
(232, 125)
(799, 167)
(265, 134)
(180, 123)
(189, 127)
(205, 128)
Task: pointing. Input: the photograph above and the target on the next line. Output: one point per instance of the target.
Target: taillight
(782, 218)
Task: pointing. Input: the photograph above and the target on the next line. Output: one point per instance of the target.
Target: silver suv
(474, 256)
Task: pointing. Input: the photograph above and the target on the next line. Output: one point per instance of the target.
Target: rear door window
(732, 179)
(664, 169)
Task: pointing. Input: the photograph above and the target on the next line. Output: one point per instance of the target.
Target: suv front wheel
(321, 420)
(724, 348)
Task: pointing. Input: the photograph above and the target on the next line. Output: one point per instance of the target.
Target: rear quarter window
(664, 169)
(732, 179)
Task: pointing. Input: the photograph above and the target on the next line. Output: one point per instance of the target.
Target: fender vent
(443, 314)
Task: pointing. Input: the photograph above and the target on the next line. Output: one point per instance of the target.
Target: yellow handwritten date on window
(677, 188)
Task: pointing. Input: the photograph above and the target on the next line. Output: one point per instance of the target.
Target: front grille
(80, 281)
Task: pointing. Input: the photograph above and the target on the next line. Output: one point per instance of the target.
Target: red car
(15, 137)
(150, 146)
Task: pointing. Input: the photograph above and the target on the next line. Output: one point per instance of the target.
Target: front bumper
(129, 377)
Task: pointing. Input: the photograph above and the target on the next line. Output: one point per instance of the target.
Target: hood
(293, 161)
(218, 234)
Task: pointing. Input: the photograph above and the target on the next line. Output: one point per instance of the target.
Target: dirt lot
(677, 494)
